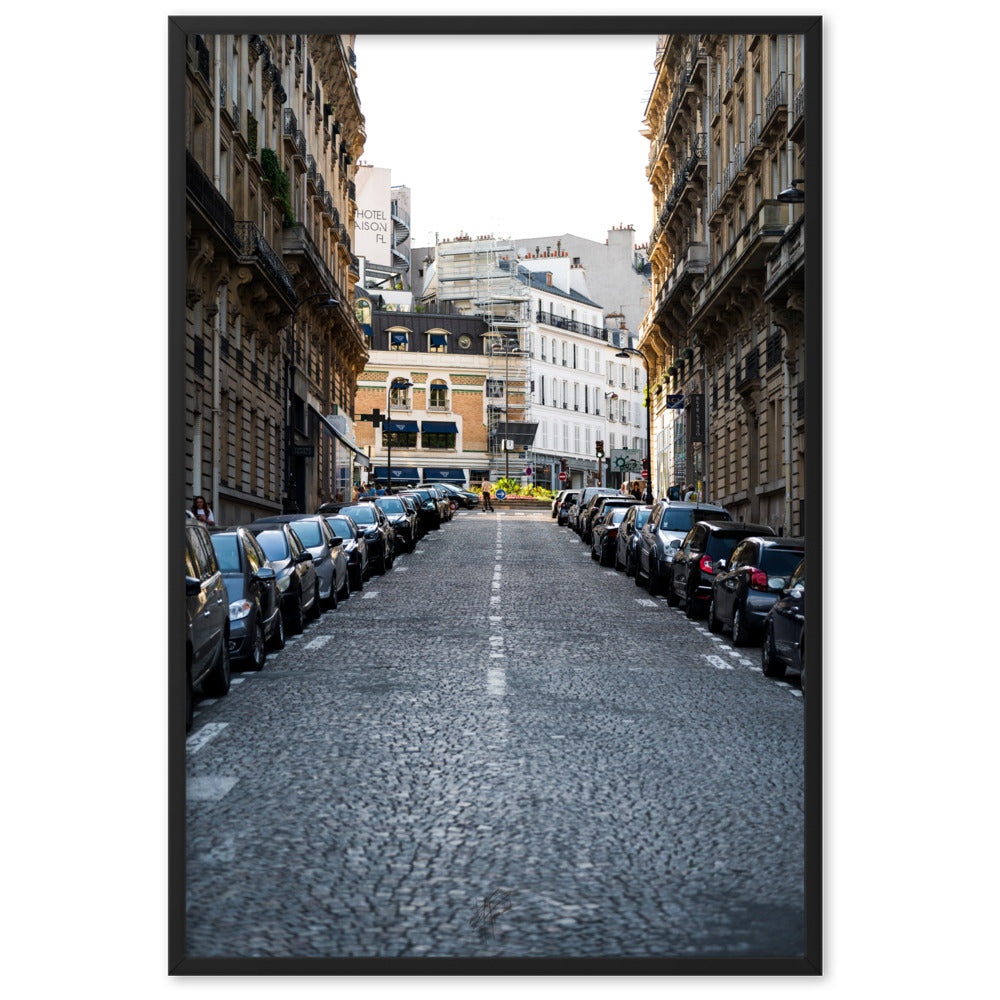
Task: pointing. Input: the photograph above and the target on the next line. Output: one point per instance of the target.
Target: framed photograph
(562, 729)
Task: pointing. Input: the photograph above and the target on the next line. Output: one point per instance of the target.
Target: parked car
(207, 606)
(375, 526)
(404, 522)
(465, 498)
(430, 512)
(746, 588)
(327, 551)
(556, 500)
(295, 574)
(784, 641)
(703, 551)
(628, 537)
(601, 505)
(661, 535)
(255, 621)
(587, 497)
(412, 504)
(569, 497)
(604, 534)
(355, 548)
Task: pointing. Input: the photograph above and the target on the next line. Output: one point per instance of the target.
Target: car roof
(783, 542)
(751, 529)
(281, 519)
(691, 505)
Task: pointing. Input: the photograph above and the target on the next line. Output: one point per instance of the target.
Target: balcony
(776, 106)
(797, 119)
(209, 200)
(252, 245)
(748, 374)
(787, 259)
(692, 263)
(290, 127)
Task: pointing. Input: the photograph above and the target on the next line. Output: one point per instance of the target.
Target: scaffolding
(479, 276)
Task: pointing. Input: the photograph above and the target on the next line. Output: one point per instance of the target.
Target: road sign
(527, 471)
(626, 459)
(645, 474)
(501, 494)
(562, 477)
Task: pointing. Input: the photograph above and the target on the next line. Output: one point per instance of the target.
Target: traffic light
(564, 462)
(645, 465)
(600, 449)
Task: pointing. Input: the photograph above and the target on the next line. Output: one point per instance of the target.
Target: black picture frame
(179, 963)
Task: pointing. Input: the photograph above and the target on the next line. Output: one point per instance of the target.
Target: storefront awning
(403, 426)
(444, 476)
(360, 458)
(439, 427)
(400, 474)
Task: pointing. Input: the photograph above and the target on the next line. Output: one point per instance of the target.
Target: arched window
(438, 395)
(399, 340)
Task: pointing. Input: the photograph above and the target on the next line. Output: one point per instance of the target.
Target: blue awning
(439, 340)
(438, 427)
(444, 476)
(399, 474)
(403, 426)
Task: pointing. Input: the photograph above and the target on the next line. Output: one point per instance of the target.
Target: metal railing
(253, 244)
(211, 200)
(776, 97)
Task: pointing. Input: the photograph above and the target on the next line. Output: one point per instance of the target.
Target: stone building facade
(724, 334)
(273, 129)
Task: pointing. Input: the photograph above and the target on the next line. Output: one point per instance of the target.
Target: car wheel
(345, 592)
(216, 683)
(769, 663)
(672, 599)
(741, 634)
(638, 571)
(714, 624)
(593, 552)
(296, 619)
(358, 580)
(278, 636)
(653, 578)
(257, 652)
(315, 610)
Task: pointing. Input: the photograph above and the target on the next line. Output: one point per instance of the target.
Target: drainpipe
(788, 439)
(217, 320)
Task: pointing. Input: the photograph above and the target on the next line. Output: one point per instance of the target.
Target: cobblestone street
(499, 718)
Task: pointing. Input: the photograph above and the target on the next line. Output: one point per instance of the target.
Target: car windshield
(274, 544)
(340, 527)
(642, 516)
(392, 506)
(227, 551)
(308, 532)
(618, 514)
(779, 562)
(676, 520)
(360, 514)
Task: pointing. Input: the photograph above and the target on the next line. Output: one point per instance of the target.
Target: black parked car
(784, 642)
(587, 500)
(602, 505)
(464, 498)
(704, 551)
(326, 548)
(661, 536)
(403, 522)
(628, 537)
(412, 504)
(292, 562)
(430, 512)
(374, 525)
(604, 534)
(355, 548)
(207, 606)
(255, 621)
(746, 588)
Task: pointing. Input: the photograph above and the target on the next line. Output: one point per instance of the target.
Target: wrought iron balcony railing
(253, 244)
(776, 97)
(211, 200)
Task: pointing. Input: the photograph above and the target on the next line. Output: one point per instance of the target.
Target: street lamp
(508, 354)
(793, 195)
(396, 383)
(624, 353)
(607, 396)
(291, 505)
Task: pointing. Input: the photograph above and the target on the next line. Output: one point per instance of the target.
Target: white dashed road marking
(204, 735)
(369, 595)
(717, 662)
(209, 789)
(318, 642)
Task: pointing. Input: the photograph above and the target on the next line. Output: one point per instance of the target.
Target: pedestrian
(692, 494)
(487, 489)
(339, 498)
(637, 491)
(357, 491)
(201, 510)
(647, 497)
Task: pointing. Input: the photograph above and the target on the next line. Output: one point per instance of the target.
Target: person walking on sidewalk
(487, 490)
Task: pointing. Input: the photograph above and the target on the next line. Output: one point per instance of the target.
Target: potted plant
(672, 371)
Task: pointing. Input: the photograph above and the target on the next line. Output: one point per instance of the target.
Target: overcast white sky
(511, 135)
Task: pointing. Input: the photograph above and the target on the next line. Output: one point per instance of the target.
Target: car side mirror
(334, 542)
(720, 564)
(303, 556)
(192, 585)
(265, 573)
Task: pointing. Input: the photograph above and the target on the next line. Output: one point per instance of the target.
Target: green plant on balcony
(252, 133)
(688, 354)
(672, 371)
(278, 180)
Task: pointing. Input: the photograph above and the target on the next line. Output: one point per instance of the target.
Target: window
(437, 343)
(439, 441)
(438, 395)
(400, 397)
(399, 340)
(543, 350)
(399, 439)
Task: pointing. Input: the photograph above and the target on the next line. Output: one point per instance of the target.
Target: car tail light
(612, 532)
(758, 579)
(706, 564)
